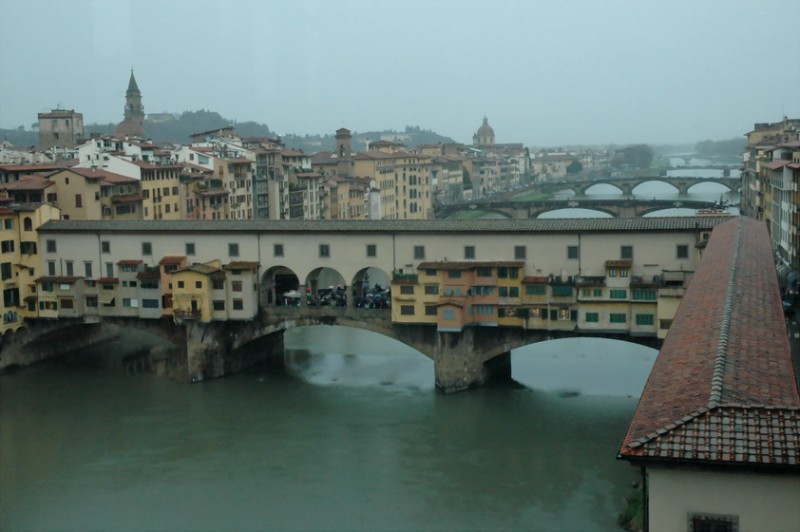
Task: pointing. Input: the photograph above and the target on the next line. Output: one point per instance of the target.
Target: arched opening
(345, 356)
(655, 189)
(584, 365)
(371, 289)
(603, 190)
(574, 213)
(279, 287)
(326, 287)
(27, 224)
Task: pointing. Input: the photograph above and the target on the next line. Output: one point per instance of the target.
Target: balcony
(186, 314)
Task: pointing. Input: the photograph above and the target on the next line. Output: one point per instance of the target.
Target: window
(233, 249)
(682, 251)
(520, 252)
(147, 248)
(407, 310)
(572, 252)
(91, 301)
(236, 286)
(644, 319)
(484, 272)
(713, 523)
(513, 291)
(612, 272)
(430, 310)
(562, 291)
(449, 314)
(502, 273)
(324, 250)
(27, 224)
(149, 303)
(277, 250)
(592, 317)
(51, 267)
(372, 250)
(623, 272)
(198, 284)
(431, 289)
(109, 269)
(430, 273)
(8, 223)
(78, 201)
(238, 304)
(617, 317)
(646, 294)
(87, 270)
(502, 291)
(454, 274)
(218, 304)
(190, 248)
(534, 290)
(128, 302)
(27, 248)
(407, 289)
(626, 252)
(5, 271)
(618, 294)
(67, 303)
(105, 246)
(469, 252)
(483, 310)
(70, 268)
(419, 252)
(50, 246)
(180, 284)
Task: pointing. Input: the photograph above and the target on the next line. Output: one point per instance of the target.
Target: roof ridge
(717, 380)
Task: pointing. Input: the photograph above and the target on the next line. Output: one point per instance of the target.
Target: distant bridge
(626, 185)
(617, 208)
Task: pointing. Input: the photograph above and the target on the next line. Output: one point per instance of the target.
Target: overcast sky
(546, 73)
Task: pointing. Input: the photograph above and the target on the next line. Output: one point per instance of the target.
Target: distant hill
(178, 127)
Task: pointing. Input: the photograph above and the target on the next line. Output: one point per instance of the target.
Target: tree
(575, 167)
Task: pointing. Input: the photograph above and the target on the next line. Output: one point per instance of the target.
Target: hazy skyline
(545, 73)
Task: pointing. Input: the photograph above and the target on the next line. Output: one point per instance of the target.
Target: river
(352, 436)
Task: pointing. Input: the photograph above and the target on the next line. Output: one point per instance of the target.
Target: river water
(352, 436)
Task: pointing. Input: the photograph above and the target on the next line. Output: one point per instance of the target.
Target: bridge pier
(210, 353)
(460, 363)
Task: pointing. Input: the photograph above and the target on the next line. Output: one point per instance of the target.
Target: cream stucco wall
(762, 502)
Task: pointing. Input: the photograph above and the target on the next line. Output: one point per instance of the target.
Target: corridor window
(520, 252)
(682, 251)
(277, 250)
(233, 249)
(626, 252)
(372, 250)
(469, 252)
(572, 252)
(419, 252)
(51, 246)
(324, 250)
(190, 248)
(147, 248)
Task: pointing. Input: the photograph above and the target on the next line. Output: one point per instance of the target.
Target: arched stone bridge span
(216, 349)
(617, 208)
(626, 185)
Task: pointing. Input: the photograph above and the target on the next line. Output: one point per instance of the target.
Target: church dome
(485, 130)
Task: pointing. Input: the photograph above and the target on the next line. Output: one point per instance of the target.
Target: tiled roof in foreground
(551, 225)
(723, 387)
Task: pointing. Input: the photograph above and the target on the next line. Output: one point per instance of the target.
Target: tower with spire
(133, 125)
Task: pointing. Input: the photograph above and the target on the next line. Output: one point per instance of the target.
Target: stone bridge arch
(680, 188)
(536, 212)
(731, 186)
(624, 187)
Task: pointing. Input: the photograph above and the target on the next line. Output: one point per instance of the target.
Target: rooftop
(722, 389)
(552, 225)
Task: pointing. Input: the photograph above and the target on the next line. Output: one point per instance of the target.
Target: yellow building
(19, 260)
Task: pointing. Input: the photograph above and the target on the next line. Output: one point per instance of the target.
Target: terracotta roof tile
(726, 349)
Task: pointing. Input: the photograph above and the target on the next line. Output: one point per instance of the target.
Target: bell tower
(343, 152)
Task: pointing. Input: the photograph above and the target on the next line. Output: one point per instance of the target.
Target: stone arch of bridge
(731, 188)
(665, 181)
(537, 212)
(623, 188)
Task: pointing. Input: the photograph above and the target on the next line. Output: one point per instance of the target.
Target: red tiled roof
(241, 265)
(58, 279)
(106, 280)
(129, 262)
(40, 167)
(172, 260)
(624, 263)
(132, 198)
(28, 182)
(774, 165)
(535, 279)
(726, 352)
(95, 173)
